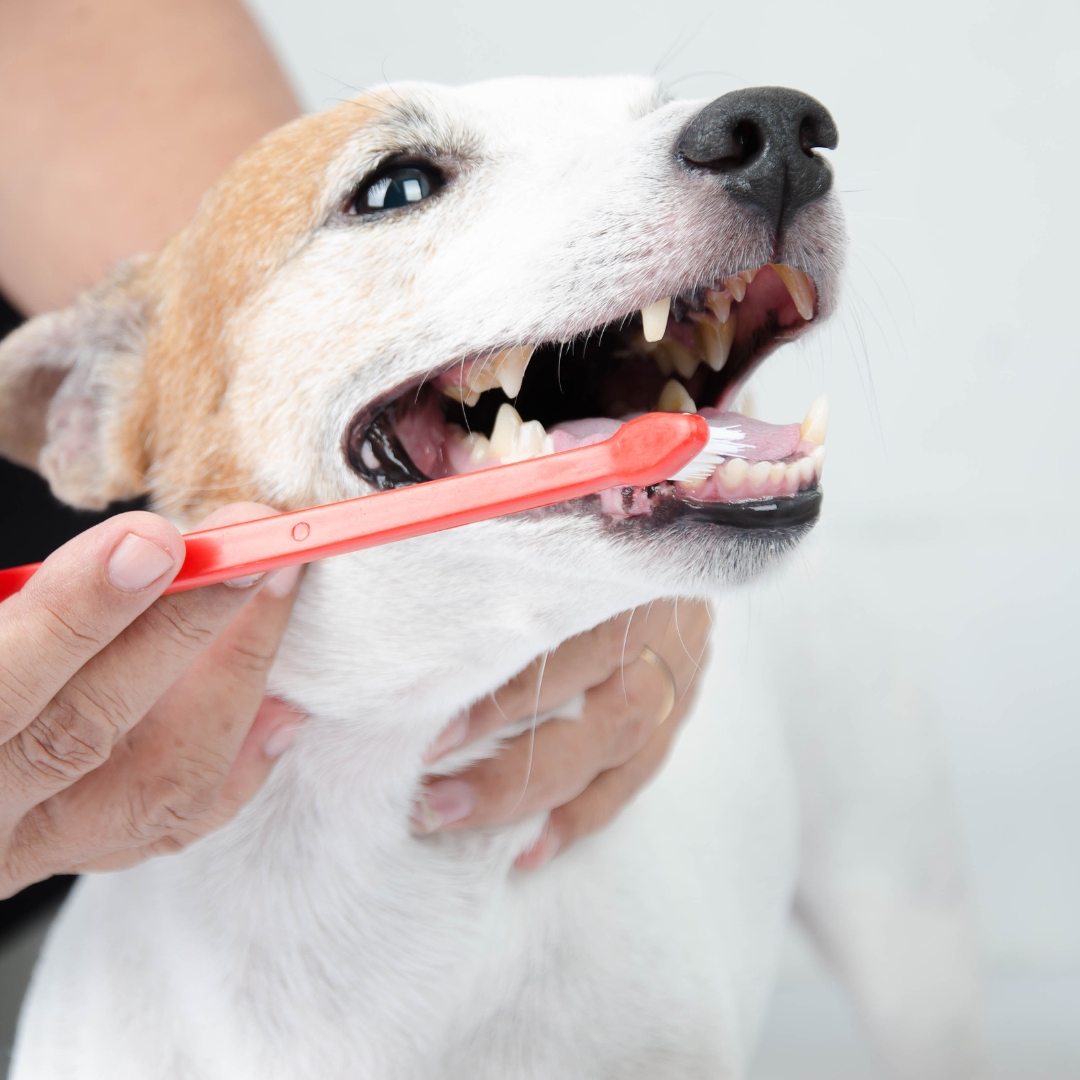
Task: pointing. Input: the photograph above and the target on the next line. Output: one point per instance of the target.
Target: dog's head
(363, 295)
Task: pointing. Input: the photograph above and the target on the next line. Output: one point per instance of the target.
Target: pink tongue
(764, 442)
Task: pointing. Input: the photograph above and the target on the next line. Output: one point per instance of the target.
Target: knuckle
(250, 657)
(170, 620)
(165, 807)
(69, 739)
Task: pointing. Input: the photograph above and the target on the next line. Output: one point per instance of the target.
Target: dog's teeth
(748, 275)
(818, 458)
(758, 477)
(719, 304)
(817, 421)
(479, 446)
(504, 433)
(807, 470)
(509, 367)
(367, 456)
(514, 440)
(733, 473)
(685, 362)
(464, 394)
(715, 340)
(737, 287)
(674, 398)
(654, 319)
(777, 474)
(798, 285)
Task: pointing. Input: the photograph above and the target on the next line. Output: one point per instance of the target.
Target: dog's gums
(691, 353)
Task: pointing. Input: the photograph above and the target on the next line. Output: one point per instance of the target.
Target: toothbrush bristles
(724, 442)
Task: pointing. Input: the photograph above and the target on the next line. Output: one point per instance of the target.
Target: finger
(276, 725)
(598, 804)
(83, 596)
(576, 665)
(549, 766)
(76, 731)
(175, 766)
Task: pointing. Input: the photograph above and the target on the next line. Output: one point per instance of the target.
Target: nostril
(810, 137)
(734, 147)
(749, 139)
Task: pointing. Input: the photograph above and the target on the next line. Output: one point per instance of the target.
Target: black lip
(787, 512)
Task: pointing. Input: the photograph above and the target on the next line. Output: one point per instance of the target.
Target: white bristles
(724, 442)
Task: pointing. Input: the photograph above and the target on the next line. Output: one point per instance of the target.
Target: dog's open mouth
(688, 354)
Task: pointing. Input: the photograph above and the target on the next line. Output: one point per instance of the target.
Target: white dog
(354, 307)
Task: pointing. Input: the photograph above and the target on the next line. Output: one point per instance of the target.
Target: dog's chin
(513, 402)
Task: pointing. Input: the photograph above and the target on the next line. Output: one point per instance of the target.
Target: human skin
(115, 115)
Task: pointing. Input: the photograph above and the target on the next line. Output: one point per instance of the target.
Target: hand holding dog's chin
(580, 771)
(131, 723)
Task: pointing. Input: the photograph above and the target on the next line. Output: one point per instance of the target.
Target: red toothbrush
(644, 451)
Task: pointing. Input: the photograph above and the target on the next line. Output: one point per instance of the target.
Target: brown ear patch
(257, 217)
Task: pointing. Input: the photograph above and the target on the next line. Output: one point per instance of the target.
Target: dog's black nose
(761, 141)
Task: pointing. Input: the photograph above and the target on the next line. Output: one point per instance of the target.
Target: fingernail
(282, 582)
(451, 737)
(443, 803)
(137, 563)
(543, 851)
(244, 582)
(280, 739)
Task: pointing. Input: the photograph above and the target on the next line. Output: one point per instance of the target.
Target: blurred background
(953, 369)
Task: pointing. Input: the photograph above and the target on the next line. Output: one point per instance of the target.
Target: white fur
(315, 936)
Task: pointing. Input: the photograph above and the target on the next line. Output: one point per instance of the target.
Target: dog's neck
(381, 656)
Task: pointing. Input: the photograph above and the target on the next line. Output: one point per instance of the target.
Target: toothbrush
(644, 451)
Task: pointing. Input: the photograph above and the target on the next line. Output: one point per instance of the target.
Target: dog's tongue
(763, 442)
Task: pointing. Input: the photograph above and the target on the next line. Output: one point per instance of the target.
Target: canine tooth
(798, 285)
(504, 433)
(715, 342)
(759, 476)
(737, 287)
(817, 421)
(509, 368)
(674, 398)
(654, 319)
(719, 304)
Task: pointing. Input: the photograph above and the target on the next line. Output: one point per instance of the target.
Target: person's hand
(638, 673)
(131, 725)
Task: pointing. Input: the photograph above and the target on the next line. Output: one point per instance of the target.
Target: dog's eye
(399, 187)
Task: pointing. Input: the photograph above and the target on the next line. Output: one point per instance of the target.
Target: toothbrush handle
(643, 451)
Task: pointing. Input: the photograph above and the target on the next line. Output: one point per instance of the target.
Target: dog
(419, 282)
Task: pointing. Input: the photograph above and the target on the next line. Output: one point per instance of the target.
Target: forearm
(115, 116)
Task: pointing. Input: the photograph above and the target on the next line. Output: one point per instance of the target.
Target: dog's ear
(65, 379)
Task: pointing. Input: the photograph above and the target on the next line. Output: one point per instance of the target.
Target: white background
(952, 369)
